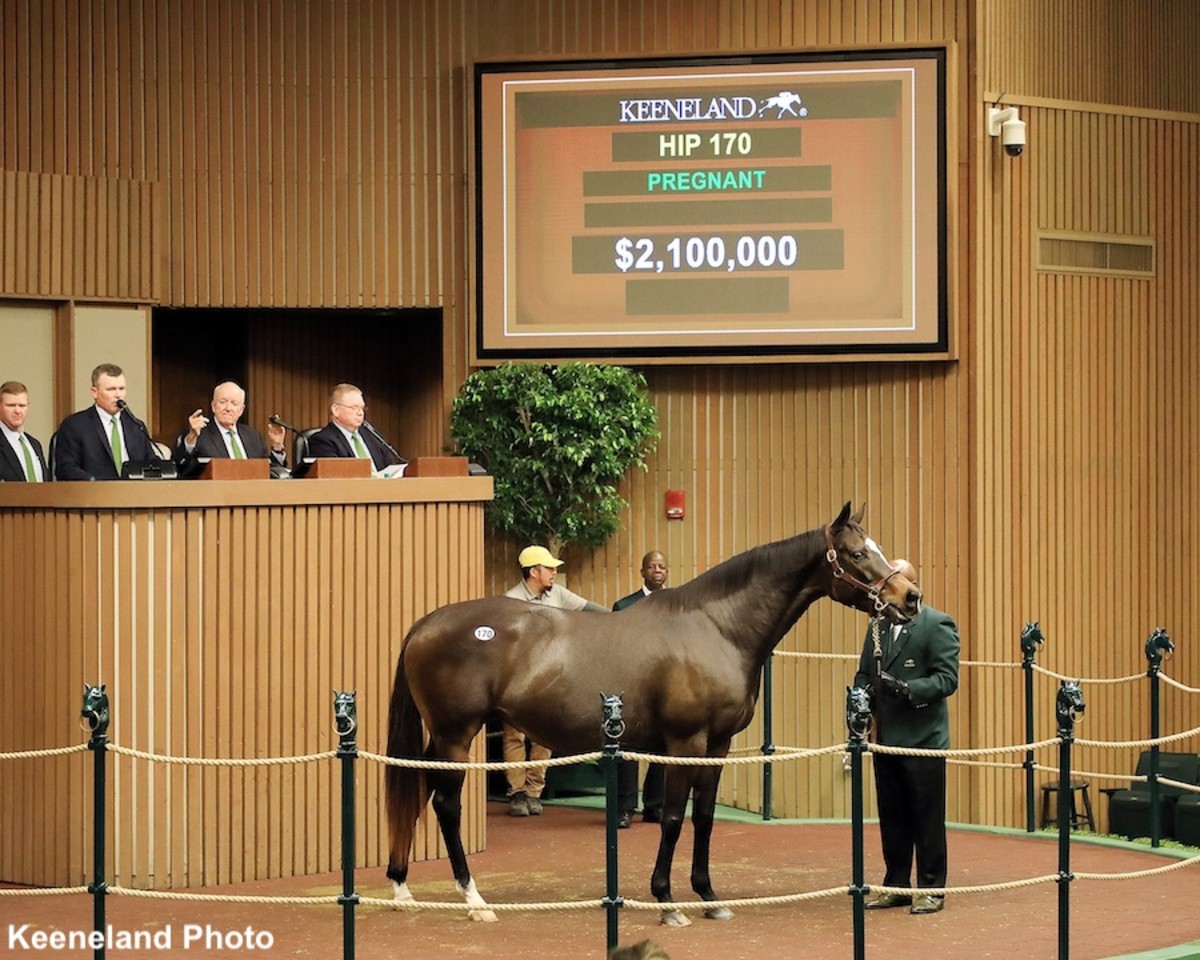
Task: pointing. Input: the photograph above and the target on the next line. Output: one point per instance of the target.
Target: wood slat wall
(220, 632)
(79, 237)
(315, 155)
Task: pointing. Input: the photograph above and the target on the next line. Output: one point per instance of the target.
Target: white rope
(1093, 680)
(49, 752)
(1177, 685)
(220, 762)
(43, 891)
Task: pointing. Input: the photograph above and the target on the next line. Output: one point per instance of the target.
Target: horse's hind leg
(704, 805)
(675, 793)
(447, 805)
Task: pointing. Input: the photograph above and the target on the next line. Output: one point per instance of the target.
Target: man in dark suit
(654, 577)
(343, 436)
(223, 437)
(21, 457)
(911, 669)
(94, 443)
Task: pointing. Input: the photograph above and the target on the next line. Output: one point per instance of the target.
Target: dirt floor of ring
(560, 856)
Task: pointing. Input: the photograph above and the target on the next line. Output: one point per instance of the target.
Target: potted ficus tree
(557, 440)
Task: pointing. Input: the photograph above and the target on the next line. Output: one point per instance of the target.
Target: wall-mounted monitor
(779, 207)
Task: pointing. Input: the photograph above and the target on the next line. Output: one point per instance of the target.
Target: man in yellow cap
(539, 570)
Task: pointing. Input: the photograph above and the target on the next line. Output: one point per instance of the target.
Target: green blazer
(925, 656)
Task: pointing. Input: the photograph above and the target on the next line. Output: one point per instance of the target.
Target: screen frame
(489, 349)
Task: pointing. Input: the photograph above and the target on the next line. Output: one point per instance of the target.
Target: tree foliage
(557, 440)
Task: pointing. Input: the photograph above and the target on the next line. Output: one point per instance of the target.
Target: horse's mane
(730, 576)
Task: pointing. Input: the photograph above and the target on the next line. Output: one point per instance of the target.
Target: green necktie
(115, 439)
(238, 452)
(30, 472)
(360, 448)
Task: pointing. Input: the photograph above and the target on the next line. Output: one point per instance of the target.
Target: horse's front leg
(447, 805)
(678, 785)
(704, 805)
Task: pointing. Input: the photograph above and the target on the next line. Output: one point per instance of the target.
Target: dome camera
(1009, 127)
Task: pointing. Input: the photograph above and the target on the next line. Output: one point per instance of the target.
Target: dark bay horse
(686, 661)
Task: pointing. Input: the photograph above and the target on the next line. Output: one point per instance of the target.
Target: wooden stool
(1079, 818)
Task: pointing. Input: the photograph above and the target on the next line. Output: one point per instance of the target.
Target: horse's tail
(407, 787)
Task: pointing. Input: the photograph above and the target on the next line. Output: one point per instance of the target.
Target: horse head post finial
(1068, 707)
(613, 725)
(858, 712)
(1157, 644)
(345, 715)
(94, 716)
(1031, 639)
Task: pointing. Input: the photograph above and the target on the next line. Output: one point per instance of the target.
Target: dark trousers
(912, 818)
(653, 788)
(627, 771)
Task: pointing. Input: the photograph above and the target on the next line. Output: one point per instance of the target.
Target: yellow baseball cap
(537, 557)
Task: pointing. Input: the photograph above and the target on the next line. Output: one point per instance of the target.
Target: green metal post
(1068, 705)
(768, 747)
(610, 759)
(857, 718)
(1156, 644)
(95, 717)
(1031, 639)
(345, 722)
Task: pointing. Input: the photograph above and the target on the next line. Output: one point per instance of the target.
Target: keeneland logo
(688, 108)
(667, 110)
(785, 101)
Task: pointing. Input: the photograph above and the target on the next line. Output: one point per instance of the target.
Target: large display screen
(759, 207)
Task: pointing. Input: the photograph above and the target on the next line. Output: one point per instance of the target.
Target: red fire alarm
(675, 501)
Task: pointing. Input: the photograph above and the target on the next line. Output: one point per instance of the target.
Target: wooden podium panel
(221, 616)
(437, 467)
(338, 468)
(221, 468)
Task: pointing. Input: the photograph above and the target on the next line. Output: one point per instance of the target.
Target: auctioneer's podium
(221, 615)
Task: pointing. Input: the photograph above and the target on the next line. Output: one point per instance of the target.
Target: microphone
(276, 421)
(124, 408)
(378, 436)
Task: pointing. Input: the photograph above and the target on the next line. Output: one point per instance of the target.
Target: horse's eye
(858, 555)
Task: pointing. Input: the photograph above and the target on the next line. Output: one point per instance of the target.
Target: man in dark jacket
(654, 577)
(911, 669)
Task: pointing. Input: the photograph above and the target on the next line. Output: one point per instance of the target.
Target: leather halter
(872, 590)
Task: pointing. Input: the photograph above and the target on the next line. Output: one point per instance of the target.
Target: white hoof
(675, 918)
(477, 905)
(401, 894)
(719, 913)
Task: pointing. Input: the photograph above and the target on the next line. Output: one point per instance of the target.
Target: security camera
(1009, 127)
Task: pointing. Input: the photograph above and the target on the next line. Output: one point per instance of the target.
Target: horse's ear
(842, 517)
(857, 518)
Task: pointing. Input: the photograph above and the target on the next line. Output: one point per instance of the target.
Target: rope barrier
(1092, 680)
(219, 762)
(1176, 684)
(42, 891)
(48, 752)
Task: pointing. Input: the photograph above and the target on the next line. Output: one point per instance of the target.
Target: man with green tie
(21, 457)
(349, 433)
(94, 444)
(223, 437)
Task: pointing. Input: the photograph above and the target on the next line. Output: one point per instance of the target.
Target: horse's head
(345, 713)
(862, 576)
(858, 710)
(1068, 705)
(94, 715)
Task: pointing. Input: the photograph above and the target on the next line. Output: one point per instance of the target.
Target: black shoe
(885, 901)
(624, 820)
(652, 816)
